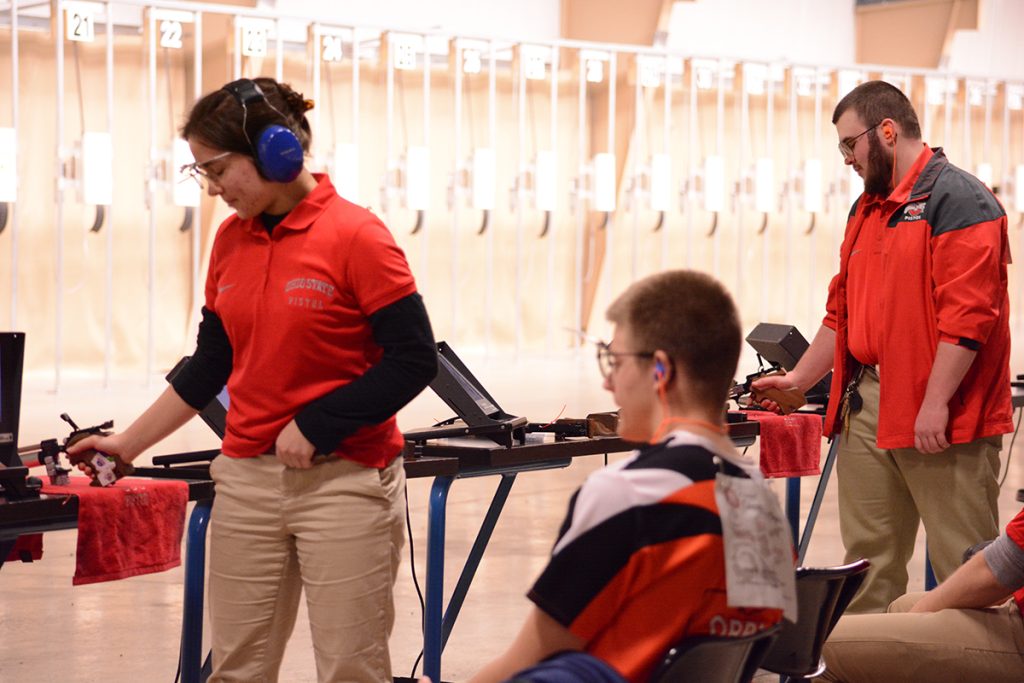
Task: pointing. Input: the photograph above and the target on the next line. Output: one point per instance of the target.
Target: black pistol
(787, 399)
(107, 468)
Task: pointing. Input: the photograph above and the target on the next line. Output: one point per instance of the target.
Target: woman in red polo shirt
(313, 322)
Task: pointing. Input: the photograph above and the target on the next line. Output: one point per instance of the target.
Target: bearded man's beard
(878, 174)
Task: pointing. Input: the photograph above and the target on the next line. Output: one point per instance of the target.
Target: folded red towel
(27, 548)
(790, 444)
(131, 528)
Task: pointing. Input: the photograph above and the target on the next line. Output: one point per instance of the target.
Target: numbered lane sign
(80, 21)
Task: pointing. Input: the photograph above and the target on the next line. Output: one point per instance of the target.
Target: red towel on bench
(790, 444)
(133, 527)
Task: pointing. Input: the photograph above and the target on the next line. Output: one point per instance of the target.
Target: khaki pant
(885, 494)
(953, 645)
(335, 532)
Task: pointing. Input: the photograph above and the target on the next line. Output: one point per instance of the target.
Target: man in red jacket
(917, 333)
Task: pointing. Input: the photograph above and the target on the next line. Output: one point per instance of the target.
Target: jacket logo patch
(914, 212)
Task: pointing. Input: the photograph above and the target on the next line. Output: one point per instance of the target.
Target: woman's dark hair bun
(296, 103)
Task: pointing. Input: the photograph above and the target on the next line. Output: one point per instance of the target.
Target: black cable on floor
(415, 582)
(1009, 451)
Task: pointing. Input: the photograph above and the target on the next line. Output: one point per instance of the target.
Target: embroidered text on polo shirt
(310, 283)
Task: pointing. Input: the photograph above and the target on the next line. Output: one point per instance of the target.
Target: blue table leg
(475, 554)
(435, 578)
(195, 575)
(793, 506)
(819, 496)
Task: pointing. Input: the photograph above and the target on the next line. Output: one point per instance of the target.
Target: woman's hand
(293, 448)
(111, 444)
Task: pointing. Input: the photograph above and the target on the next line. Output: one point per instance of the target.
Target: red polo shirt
(295, 307)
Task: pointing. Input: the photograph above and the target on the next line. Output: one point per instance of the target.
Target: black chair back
(823, 594)
(711, 659)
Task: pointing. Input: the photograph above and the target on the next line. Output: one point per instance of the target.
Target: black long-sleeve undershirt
(409, 363)
(206, 372)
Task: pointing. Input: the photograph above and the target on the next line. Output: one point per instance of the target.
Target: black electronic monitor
(476, 411)
(784, 345)
(472, 391)
(12, 359)
(463, 392)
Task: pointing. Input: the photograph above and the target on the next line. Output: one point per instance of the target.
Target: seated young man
(966, 629)
(639, 562)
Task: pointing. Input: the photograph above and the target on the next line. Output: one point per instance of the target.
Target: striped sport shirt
(639, 561)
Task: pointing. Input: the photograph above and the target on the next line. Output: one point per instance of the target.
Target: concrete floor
(129, 630)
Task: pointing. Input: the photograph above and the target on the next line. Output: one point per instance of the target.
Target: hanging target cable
(533, 142)
(330, 106)
(467, 88)
(650, 155)
(405, 144)
(97, 222)
(187, 219)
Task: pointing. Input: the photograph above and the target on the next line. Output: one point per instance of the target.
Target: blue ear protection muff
(277, 151)
(659, 371)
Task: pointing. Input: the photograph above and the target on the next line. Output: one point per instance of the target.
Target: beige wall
(915, 33)
(780, 275)
(85, 258)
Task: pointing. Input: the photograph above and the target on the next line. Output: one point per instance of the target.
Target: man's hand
(779, 382)
(972, 585)
(951, 364)
(293, 449)
(930, 427)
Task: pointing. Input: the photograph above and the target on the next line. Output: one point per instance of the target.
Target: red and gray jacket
(945, 256)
